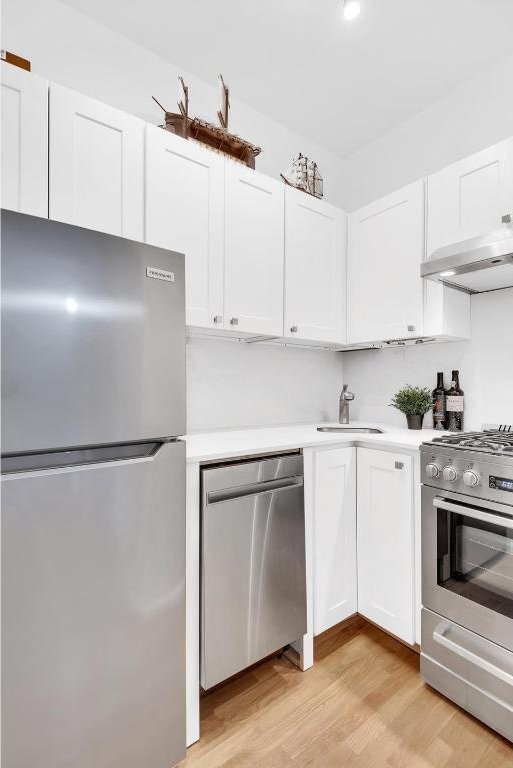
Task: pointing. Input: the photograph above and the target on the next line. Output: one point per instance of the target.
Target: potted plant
(414, 402)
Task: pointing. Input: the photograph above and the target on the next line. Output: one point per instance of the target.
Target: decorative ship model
(304, 174)
(213, 136)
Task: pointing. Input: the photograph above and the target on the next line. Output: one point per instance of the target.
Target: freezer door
(93, 613)
(93, 337)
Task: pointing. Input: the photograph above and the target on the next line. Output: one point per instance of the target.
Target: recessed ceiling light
(448, 273)
(351, 9)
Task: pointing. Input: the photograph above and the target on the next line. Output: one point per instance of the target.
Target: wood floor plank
(363, 705)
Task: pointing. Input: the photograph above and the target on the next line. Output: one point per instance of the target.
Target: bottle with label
(454, 405)
(439, 403)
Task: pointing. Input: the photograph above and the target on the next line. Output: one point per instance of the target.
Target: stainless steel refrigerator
(93, 499)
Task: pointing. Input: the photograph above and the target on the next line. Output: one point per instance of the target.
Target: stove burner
(491, 441)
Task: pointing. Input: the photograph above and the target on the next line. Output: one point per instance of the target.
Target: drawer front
(487, 667)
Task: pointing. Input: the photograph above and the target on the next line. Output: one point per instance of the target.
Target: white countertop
(225, 444)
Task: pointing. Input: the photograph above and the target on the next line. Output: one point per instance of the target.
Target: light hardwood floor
(363, 705)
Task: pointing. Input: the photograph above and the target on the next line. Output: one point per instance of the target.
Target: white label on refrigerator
(454, 404)
(160, 274)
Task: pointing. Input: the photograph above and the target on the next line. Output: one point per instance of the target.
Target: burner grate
(490, 441)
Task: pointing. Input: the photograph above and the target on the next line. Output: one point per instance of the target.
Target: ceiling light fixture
(350, 9)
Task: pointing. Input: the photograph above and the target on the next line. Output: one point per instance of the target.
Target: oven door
(467, 562)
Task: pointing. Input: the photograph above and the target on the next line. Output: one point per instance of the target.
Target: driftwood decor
(213, 136)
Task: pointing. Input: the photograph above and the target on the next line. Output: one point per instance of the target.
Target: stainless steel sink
(348, 429)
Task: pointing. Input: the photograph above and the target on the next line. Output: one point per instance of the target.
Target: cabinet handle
(218, 319)
(399, 465)
(293, 329)
(507, 218)
(411, 329)
(234, 321)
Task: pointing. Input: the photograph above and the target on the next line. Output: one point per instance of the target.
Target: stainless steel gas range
(467, 572)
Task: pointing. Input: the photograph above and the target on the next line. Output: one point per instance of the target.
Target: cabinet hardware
(234, 321)
(218, 319)
(293, 329)
(507, 218)
(399, 465)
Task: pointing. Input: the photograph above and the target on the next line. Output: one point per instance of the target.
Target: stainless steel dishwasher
(253, 580)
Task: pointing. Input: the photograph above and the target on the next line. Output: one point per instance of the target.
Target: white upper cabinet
(386, 541)
(184, 212)
(334, 555)
(315, 269)
(254, 228)
(96, 165)
(385, 248)
(24, 141)
(470, 197)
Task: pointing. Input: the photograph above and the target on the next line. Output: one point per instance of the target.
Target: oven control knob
(432, 470)
(470, 478)
(449, 474)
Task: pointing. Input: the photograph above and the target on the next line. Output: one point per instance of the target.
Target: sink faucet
(345, 399)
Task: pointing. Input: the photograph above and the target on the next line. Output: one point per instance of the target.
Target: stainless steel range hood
(481, 264)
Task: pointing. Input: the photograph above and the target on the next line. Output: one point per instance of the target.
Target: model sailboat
(304, 174)
(213, 136)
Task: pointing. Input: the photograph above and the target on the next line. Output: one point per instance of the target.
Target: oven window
(475, 560)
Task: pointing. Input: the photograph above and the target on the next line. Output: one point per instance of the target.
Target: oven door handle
(487, 666)
(476, 514)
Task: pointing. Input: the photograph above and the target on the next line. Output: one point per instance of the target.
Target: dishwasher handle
(254, 489)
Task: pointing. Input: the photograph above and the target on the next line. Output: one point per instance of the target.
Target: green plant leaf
(412, 401)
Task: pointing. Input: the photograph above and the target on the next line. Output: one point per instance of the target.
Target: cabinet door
(24, 141)
(386, 578)
(315, 268)
(335, 591)
(469, 198)
(385, 248)
(254, 227)
(96, 165)
(184, 212)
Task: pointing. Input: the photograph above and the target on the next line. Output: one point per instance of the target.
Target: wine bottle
(439, 403)
(454, 405)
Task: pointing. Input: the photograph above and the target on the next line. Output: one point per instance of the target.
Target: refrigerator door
(93, 337)
(93, 612)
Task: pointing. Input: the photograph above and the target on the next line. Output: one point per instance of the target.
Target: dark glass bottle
(454, 405)
(439, 398)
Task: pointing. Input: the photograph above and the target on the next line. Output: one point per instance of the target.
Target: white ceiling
(339, 83)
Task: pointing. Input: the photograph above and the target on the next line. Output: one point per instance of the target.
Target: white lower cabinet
(334, 534)
(386, 541)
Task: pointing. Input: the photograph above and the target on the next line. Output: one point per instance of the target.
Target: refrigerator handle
(64, 459)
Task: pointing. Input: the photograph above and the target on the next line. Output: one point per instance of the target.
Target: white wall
(474, 116)
(74, 50)
(485, 364)
(233, 384)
